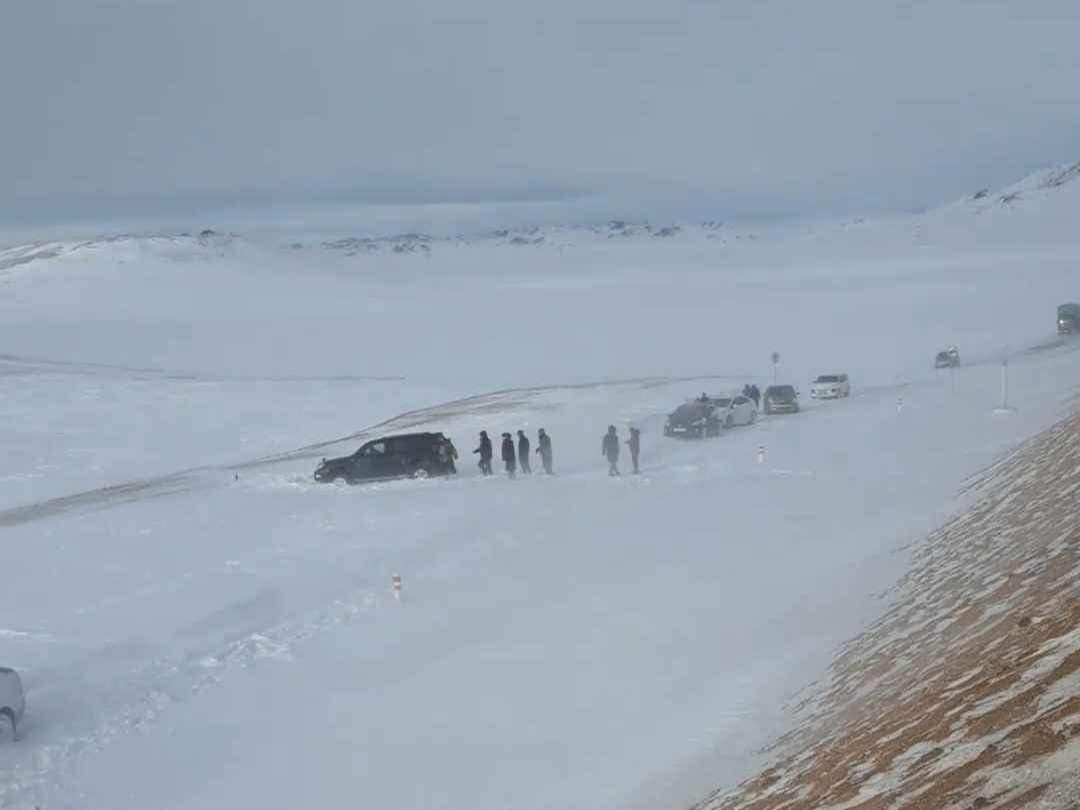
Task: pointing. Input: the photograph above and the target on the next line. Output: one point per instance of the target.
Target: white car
(12, 702)
(738, 410)
(830, 386)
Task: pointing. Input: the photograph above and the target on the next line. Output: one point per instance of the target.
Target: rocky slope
(966, 693)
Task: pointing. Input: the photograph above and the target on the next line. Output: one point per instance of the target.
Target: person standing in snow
(609, 448)
(635, 447)
(508, 457)
(485, 452)
(755, 394)
(544, 449)
(523, 453)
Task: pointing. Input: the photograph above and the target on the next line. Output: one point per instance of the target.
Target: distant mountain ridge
(1030, 194)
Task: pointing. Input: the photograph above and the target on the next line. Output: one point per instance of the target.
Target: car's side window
(405, 447)
(376, 449)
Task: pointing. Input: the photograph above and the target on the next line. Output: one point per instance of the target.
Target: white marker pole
(395, 583)
(1005, 384)
(899, 402)
(761, 454)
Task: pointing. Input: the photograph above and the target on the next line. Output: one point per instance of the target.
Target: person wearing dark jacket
(523, 453)
(485, 452)
(508, 457)
(609, 448)
(755, 394)
(635, 447)
(544, 449)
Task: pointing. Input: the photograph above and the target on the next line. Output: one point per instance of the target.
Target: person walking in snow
(544, 449)
(609, 448)
(755, 394)
(485, 453)
(635, 447)
(508, 457)
(523, 453)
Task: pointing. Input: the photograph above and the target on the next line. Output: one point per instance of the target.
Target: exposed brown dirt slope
(966, 693)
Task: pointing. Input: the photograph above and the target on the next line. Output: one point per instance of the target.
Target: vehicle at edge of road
(831, 386)
(737, 410)
(707, 416)
(12, 699)
(1068, 319)
(947, 358)
(694, 419)
(781, 399)
(405, 455)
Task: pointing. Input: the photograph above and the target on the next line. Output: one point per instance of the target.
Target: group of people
(609, 448)
(512, 455)
(515, 455)
(751, 391)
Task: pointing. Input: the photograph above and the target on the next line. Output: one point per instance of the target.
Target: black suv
(415, 455)
(781, 399)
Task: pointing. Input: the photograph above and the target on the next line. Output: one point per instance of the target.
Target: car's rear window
(781, 391)
(688, 411)
(828, 378)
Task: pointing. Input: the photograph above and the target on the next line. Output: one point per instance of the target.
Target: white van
(12, 702)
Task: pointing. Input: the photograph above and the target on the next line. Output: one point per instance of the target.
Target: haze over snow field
(220, 631)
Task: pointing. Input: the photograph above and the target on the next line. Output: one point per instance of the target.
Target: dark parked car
(415, 455)
(948, 358)
(695, 419)
(1068, 319)
(707, 416)
(781, 399)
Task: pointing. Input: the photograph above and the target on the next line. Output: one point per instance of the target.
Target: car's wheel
(730, 421)
(421, 473)
(753, 417)
(8, 729)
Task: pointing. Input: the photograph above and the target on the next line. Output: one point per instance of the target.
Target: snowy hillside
(201, 625)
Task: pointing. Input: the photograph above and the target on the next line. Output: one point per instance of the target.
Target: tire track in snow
(137, 698)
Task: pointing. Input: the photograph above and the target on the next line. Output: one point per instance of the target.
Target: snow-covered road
(195, 639)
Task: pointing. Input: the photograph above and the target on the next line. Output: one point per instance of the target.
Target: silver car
(734, 411)
(831, 386)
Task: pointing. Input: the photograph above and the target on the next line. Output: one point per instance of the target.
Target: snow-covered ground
(199, 625)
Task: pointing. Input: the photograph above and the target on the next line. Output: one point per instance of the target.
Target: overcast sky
(749, 106)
